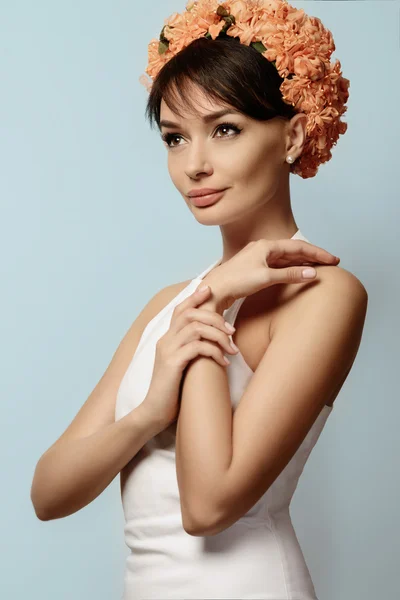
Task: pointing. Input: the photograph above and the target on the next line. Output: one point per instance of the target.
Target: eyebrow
(206, 119)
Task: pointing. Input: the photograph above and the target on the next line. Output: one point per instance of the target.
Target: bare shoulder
(330, 280)
(98, 411)
(331, 273)
(335, 292)
(329, 276)
(344, 281)
(168, 293)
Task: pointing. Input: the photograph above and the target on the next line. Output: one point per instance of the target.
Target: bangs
(180, 90)
(224, 70)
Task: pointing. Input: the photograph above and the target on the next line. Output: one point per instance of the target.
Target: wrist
(148, 420)
(213, 305)
(215, 301)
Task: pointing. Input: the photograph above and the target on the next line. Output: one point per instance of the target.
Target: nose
(197, 162)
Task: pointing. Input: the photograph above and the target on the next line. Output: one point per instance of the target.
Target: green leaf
(230, 19)
(162, 47)
(259, 46)
(162, 37)
(222, 12)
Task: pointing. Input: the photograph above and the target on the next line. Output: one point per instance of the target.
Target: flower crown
(298, 46)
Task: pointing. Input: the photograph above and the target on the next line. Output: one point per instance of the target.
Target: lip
(207, 199)
(202, 192)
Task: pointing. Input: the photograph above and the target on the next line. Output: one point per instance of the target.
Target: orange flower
(299, 45)
(156, 60)
(215, 29)
(240, 10)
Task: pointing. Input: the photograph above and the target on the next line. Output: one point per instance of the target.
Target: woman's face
(232, 151)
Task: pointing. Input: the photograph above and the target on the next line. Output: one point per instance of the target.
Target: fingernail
(203, 288)
(308, 273)
(229, 327)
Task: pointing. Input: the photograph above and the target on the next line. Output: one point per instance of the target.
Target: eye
(168, 137)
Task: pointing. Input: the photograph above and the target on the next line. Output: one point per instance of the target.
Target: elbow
(200, 517)
(40, 499)
(42, 516)
(201, 525)
(40, 512)
(192, 519)
(45, 512)
(37, 507)
(189, 523)
(212, 523)
(53, 508)
(194, 528)
(200, 529)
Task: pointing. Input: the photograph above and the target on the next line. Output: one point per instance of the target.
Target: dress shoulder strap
(207, 270)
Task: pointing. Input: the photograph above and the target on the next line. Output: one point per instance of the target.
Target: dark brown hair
(227, 71)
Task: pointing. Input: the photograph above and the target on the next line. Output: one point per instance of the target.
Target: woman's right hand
(192, 332)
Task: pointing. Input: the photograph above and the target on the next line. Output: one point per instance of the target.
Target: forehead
(192, 105)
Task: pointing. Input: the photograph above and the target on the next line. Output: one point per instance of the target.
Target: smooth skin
(194, 331)
(251, 164)
(75, 469)
(281, 329)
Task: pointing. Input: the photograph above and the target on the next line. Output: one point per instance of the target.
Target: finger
(197, 348)
(206, 317)
(296, 249)
(291, 275)
(197, 329)
(198, 297)
(210, 318)
(211, 350)
(200, 293)
(299, 260)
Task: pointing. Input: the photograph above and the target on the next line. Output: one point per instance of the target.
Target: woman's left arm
(225, 462)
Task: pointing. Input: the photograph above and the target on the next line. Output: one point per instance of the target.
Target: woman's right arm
(74, 472)
(95, 448)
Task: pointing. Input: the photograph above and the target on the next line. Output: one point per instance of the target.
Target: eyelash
(167, 137)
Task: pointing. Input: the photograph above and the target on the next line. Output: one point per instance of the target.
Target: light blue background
(92, 227)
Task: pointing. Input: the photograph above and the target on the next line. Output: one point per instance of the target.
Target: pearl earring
(289, 159)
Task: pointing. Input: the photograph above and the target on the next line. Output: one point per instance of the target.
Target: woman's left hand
(261, 264)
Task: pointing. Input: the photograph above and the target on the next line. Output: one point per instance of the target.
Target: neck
(272, 221)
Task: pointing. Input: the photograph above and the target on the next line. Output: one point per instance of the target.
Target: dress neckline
(230, 313)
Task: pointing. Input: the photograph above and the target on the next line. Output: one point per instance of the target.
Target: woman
(210, 452)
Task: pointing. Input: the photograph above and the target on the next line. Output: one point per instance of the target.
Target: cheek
(174, 170)
(253, 161)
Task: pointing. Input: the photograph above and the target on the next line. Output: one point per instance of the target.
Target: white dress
(258, 557)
